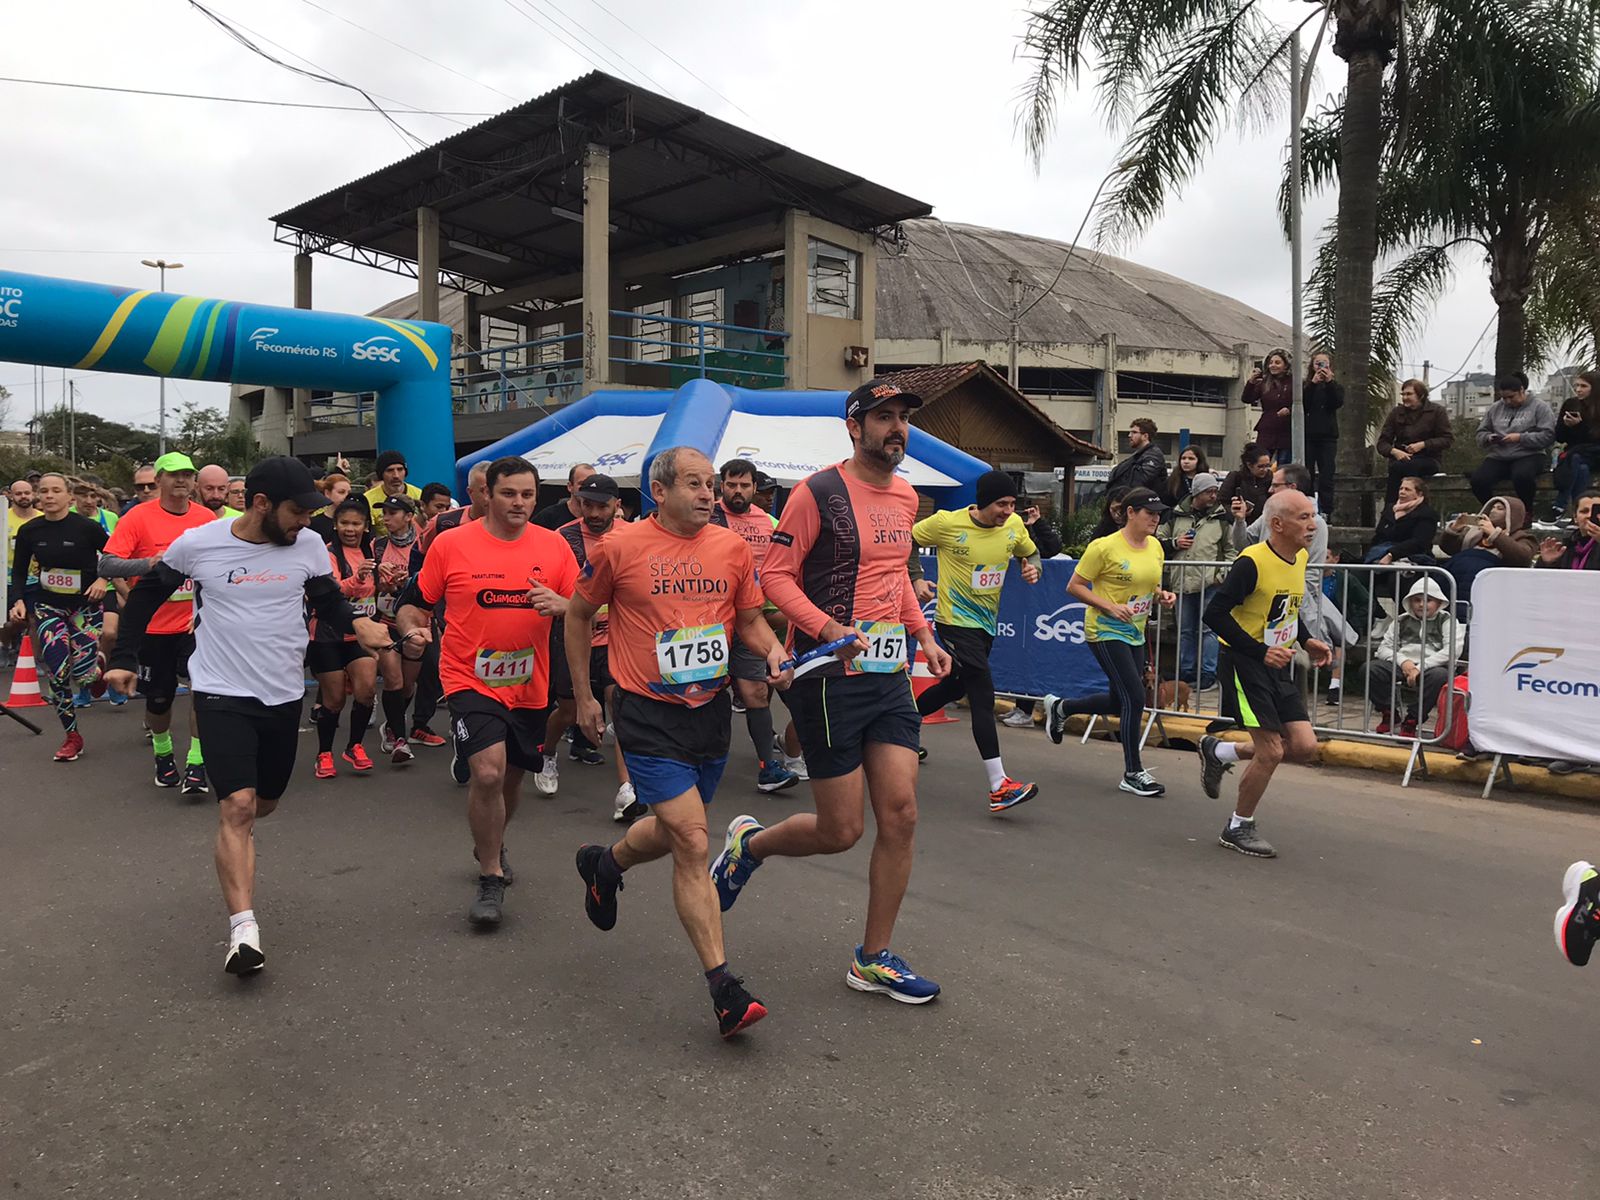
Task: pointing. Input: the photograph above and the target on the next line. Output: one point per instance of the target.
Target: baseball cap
(875, 392)
(398, 504)
(765, 482)
(1203, 482)
(1145, 500)
(172, 462)
(598, 487)
(280, 479)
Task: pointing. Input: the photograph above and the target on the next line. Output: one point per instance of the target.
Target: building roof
(678, 176)
(935, 382)
(925, 290)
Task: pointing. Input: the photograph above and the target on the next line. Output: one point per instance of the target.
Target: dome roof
(925, 290)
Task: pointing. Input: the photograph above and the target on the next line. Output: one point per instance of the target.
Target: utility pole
(1427, 367)
(72, 424)
(1016, 326)
(1297, 408)
(162, 265)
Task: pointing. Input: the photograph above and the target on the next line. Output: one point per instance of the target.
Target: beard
(276, 533)
(737, 504)
(890, 452)
(598, 527)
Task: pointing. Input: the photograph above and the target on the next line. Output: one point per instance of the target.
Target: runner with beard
(837, 568)
(251, 579)
(477, 507)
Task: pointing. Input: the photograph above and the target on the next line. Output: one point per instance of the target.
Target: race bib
(692, 655)
(504, 668)
(364, 607)
(184, 594)
(387, 603)
(886, 648)
(988, 579)
(62, 581)
(1282, 632)
(1140, 607)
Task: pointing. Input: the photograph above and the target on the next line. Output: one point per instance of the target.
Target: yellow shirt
(1270, 612)
(972, 564)
(15, 522)
(375, 496)
(1122, 575)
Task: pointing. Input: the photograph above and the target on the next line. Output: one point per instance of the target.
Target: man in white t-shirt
(252, 577)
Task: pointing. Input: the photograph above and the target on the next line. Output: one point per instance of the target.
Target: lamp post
(162, 265)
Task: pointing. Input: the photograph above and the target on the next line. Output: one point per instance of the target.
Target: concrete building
(1469, 396)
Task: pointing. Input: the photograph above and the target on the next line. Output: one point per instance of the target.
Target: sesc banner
(1535, 663)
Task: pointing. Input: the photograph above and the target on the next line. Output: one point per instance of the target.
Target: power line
(100, 87)
(1489, 325)
(409, 50)
(185, 253)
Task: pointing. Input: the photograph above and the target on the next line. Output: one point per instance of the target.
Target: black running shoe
(505, 865)
(194, 780)
(460, 771)
(1212, 768)
(587, 755)
(922, 754)
(485, 912)
(737, 1009)
(599, 898)
(1577, 920)
(167, 771)
(1246, 840)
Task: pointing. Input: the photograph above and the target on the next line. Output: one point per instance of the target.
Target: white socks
(1236, 820)
(551, 766)
(1227, 752)
(247, 917)
(997, 773)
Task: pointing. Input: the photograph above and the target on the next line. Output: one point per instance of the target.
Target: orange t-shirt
(361, 592)
(673, 601)
(495, 643)
(146, 532)
(754, 525)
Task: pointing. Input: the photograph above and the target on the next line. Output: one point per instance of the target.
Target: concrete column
(596, 267)
(796, 312)
(1239, 420)
(298, 418)
(276, 405)
(427, 264)
(1105, 396)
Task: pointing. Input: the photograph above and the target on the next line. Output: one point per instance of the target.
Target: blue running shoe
(733, 867)
(775, 777)
(83, 699)
(117, 699)
(887, 972)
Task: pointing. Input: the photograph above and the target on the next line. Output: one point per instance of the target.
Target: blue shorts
(657, 779)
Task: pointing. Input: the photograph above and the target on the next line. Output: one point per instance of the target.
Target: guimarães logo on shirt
(504, 598)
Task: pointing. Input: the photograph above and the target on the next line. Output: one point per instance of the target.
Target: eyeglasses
(144, 487)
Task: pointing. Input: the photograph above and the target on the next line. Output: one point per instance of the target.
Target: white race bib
(886, 648)
(387, 603)
(504, 668)
(184, 594)
(363, 607)
(1283, 631)
(1140, 607)
(62, 581)
(692, 655)
(988, 579)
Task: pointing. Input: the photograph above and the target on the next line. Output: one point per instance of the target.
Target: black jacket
(1146, 468)
(1412, 535)
(1323, 402)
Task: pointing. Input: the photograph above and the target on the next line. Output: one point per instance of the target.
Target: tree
(98, 438)
(205, 435)
(5, 407)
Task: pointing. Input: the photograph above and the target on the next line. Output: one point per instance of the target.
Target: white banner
(1535, 663)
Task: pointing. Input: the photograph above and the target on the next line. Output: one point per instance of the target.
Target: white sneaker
(626, 799)
(797, 765)
(386, 738)
(244, 950)
(1017, 719)
(547, 780)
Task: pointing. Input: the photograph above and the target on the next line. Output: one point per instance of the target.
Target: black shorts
(480, 723)
(837, 716)
(660, 729)
(968, 647)
(561, 673)
(1256, 696)
(324, 658)
(163, 660)
(248, 744)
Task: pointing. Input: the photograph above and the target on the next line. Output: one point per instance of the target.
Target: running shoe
(506, 872)
(587, 755)
(325, 768)
(629, 807)
(402, 753)
(887, 973)
(548, 778)
(194, 780)
(71, 749)
(423, 736)
(118, 699)
(738, 704)
(1212, 768)
(733, 867)
(775, 777)
(599, 897)
(83, 699)
(167, 771)
(1017, 719)
(460, 769)
(1577, 921)
(1142, 783)
(1055, 721)
(244, 950)
(357, 757)
(386, 739)
(797, 766)
(486, 912)
(1011, 793)
(737, 1009)
(1244, 838)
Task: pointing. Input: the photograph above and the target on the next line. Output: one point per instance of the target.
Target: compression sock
(997, 773)
(1227, 752)
(360, 719)
(759, 722)
(394, 712)
(161, 743)
(195, 757)
(327, 730)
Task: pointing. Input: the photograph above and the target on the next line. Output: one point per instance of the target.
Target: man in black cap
(554, 516)
(253, 577)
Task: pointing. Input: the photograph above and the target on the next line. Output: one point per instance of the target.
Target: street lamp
(163, 266)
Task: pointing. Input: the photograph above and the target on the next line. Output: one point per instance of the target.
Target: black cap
(1145, 500)
(874, 392)
(282, 479)
(598, 487)
(765, 482)
(398, 504)
(390, 458)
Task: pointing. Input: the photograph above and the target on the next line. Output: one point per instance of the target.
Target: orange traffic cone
(25, 681)
(921, 681)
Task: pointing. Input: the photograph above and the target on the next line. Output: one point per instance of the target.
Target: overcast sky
(919, 97)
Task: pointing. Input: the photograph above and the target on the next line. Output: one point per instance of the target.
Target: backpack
(1454, 699)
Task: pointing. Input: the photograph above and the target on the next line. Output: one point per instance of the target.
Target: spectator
(1270, 387)
(1578, 429)
(1199, 531)
(1113, 517)
(1413, 659)
(391, 483)
(1145, 465)
(1346, 593)
(144, 488)
(1473, 542)
(1415, 435)
(1405, 531)
(1180, 483)
(1516, 434)
(1323, 397)
(1578, 554)
(1250, 483)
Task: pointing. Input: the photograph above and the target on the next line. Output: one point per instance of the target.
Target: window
(702, 306)
(832, 280)
(552, 351)
(653, 334)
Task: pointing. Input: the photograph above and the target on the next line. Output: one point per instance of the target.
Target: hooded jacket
(1427, 643)
(1517, 549)
(1532, 422)
(1213, 542)
(1146, 467)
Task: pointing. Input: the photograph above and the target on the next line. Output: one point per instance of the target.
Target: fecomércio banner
(1535, 663)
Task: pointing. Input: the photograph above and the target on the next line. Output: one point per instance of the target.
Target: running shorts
(163, 660)
(967, 646)
(324, 658)
(561, 672)
(248, 744)
(837, 716)
(670, 748)
(745, 663)
(1256, 696)
(480, 723)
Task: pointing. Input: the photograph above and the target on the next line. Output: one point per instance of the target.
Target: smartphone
(1193, 529)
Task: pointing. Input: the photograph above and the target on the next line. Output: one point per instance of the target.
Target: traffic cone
(25, 681)
(921, 681)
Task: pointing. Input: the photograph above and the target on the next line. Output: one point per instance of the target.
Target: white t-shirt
(250, 628)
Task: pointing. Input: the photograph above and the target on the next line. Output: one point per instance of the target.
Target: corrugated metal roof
(926, 290)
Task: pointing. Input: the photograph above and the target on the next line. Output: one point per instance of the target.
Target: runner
(737, 511)
(252, 578)
(335, 487)
(144, 488)
(211, 487)
(1578, 919)
(340, 663)
(858, 722)
(430, 689)
(976, 544)
(554, 516)
(86, 503)
(397, 551)
(676, 587)
(1118, 581)
(55, 586)
(141, 538)
(1256, 614)
(236, 494)
(392, 471)
(599, 500)
(501, 581)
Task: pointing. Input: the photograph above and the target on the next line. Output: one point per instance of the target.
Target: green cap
(174, 461)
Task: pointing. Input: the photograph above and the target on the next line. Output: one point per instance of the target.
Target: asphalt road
(1129, 1010)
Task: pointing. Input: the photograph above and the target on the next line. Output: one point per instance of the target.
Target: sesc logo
(10, 307)
(379, 349)
(617, 458)
(1063, 625)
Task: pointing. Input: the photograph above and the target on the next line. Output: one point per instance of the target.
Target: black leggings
(1321, 457)
(971, 677)
(1124, 668)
